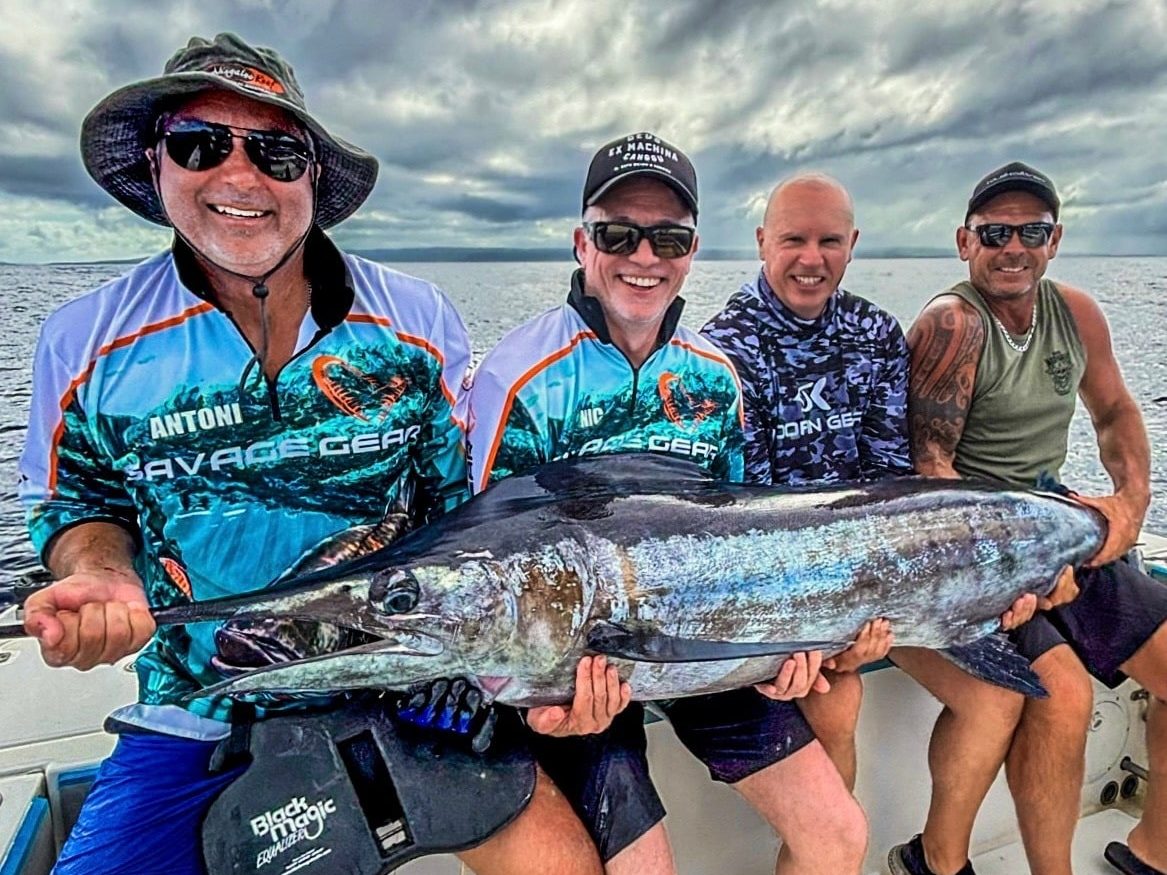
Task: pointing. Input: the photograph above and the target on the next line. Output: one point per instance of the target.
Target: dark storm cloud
(22, 103)
(495, 211)
(484, 112)
(50, 177)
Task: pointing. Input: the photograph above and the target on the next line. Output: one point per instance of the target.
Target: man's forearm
(91, 547)
(935, 466)
(1126, 456)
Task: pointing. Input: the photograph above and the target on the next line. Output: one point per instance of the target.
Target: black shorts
(1036, 637)
(1117, 610)
(606, 779)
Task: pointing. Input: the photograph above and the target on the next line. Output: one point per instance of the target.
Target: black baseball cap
(642, 154)
(1014, 176)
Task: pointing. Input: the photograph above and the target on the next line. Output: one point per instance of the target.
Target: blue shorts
(606, 779)
(143, 813)
(1117, 610)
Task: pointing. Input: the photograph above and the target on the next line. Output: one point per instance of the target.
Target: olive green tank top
(1019, 422)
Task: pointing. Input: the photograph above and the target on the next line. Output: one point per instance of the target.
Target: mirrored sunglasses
(997, 234)
(198, 145)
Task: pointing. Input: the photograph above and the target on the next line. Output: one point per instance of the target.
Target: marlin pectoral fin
(994, 659)
(612, 640)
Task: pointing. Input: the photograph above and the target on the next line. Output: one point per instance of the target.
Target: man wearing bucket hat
(251, 403)
(613, 371)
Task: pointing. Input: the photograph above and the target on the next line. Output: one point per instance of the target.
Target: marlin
(687, 584)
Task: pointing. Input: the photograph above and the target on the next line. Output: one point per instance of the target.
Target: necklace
(1024, 345)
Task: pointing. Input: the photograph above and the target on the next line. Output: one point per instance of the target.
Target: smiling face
(233, 214)
(635, 290)
(1008, 272)
(805, 242)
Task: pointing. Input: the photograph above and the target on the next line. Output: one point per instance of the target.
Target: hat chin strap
(259, 283)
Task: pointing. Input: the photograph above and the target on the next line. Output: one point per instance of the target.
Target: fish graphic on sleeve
(246, 644)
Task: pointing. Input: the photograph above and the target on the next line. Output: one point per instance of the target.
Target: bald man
(824, 385)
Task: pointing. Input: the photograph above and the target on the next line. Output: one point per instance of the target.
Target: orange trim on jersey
(436, 353)
(369, 317)
(723, 359)
(117, 343)
(527, 376)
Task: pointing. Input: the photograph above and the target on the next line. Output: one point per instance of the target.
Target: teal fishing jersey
(145, 413)
(557, 387)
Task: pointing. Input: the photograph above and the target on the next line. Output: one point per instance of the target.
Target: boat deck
(1092, 835)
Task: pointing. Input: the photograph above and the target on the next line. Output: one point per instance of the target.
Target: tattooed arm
(945, 344)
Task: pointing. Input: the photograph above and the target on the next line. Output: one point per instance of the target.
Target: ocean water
(493, 298)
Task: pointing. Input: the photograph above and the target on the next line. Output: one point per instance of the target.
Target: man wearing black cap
(996, 364)
(249, 402)
(613, 371)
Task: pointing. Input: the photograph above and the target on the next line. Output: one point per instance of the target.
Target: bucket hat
(118, 131)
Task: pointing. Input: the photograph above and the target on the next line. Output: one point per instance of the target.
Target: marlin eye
(401, 593)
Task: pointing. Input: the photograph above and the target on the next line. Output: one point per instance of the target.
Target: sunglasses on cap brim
(197, 145)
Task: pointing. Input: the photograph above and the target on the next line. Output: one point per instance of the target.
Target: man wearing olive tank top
(996, 364)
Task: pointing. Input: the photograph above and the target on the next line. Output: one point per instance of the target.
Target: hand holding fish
(1064, 591)
(798, 677)
(90, 618)
(1020, 612)
(1122, 525)
(450, 706)
(872, 644)
(599, 696)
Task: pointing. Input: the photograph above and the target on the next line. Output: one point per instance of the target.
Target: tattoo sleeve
(945, 343)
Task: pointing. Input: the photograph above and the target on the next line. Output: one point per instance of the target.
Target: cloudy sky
(484, 114)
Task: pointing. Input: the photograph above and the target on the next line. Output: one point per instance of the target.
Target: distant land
(463, 253)
(474, 253)
(501, 254)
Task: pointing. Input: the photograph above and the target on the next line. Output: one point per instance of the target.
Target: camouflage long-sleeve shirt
(826, 399)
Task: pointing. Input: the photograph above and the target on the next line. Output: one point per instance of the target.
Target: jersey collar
(592, 313)
(332, 293)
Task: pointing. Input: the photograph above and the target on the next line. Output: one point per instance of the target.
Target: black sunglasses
(197, 145)
(997, 234)
(623, 238)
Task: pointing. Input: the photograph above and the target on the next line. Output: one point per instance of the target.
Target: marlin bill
(687, 584)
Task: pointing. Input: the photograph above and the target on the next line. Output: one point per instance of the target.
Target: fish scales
(689, 585)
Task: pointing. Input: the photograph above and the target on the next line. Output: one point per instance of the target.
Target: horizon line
(498, 254)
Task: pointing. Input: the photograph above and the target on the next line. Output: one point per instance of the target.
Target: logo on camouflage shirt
(810, 396)
(1057, 365)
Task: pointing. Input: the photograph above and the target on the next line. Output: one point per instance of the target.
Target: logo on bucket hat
(248, 77)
